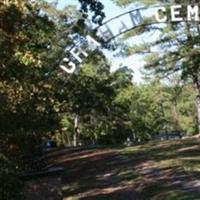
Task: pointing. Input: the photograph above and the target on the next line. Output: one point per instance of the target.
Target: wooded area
(94, 105)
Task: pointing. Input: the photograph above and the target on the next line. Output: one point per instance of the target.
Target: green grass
(184, 154)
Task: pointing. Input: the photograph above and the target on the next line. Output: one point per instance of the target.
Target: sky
(135, 62)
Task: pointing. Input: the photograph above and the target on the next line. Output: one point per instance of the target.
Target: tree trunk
(197, 90)
(198, 110)
(175, 116)
(75, 135)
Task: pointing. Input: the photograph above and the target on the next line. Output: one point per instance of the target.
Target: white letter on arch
(71, 64)
(93, 44)
(76, 52)
(175, 12)
(192, 12)
(164, 19)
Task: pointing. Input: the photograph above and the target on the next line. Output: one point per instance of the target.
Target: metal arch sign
(126, 22)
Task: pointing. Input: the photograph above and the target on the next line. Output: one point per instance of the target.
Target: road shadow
(136, 173)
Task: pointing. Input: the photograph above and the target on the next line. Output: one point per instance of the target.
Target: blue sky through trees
(135, 62)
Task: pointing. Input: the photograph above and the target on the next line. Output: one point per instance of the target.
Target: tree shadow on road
(167, 170)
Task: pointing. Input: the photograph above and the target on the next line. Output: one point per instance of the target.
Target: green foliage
(39, 99)
(127, 2)
(96, 7)
(176, 51)
(33, 96)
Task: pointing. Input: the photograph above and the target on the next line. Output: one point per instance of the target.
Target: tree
(33, 37)
(178, 49)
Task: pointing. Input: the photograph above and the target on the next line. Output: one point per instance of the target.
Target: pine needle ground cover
(168, 170)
